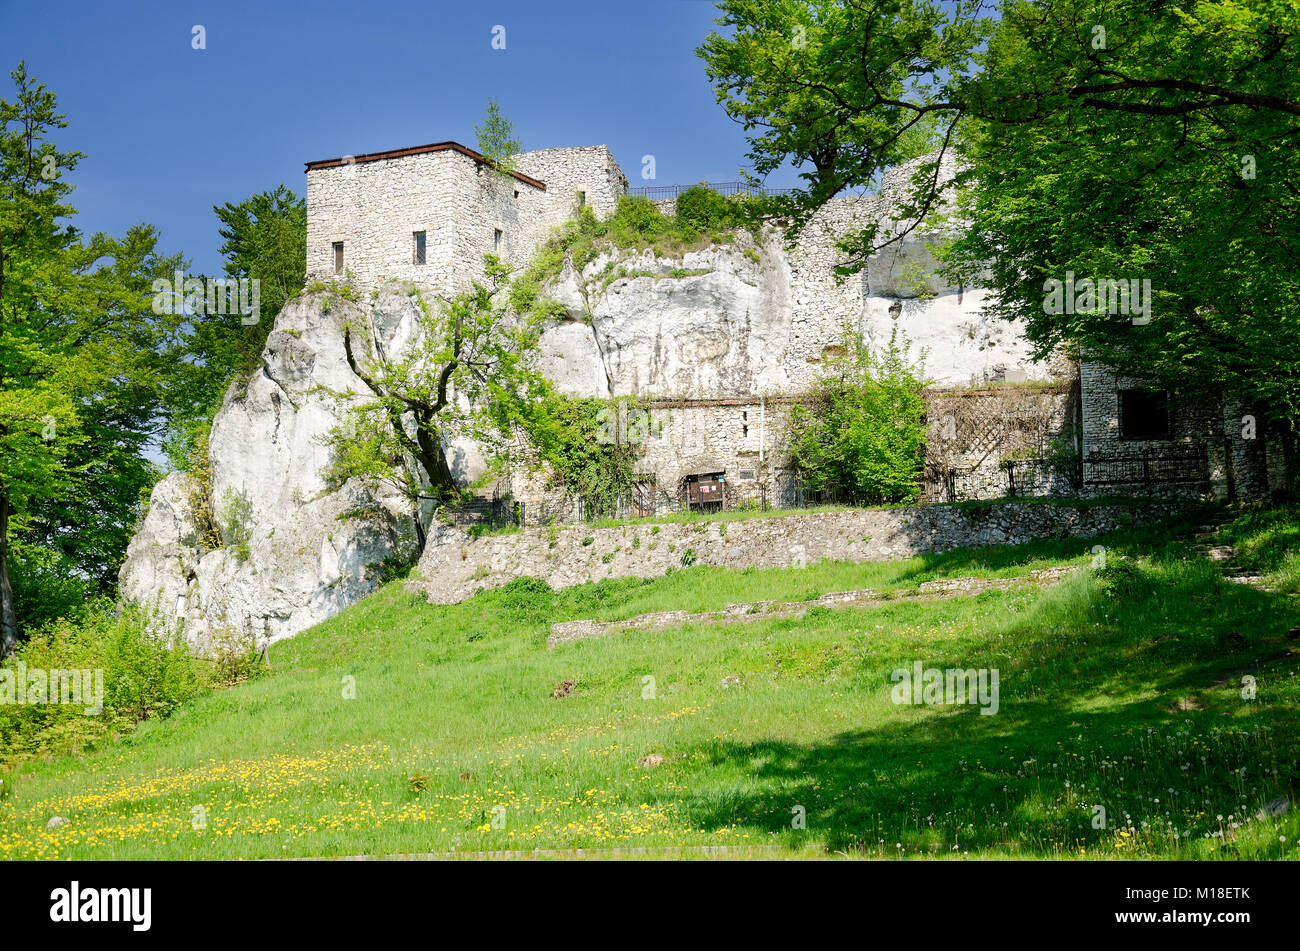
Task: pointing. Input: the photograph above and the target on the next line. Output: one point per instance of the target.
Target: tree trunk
(8, 620)
(1290, 460)
(421, 539)
(432, 458)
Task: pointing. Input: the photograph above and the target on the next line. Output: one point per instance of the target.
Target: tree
(265, 240)
(82, 356)
(1137, 139)
(496, 139)
(466, 375)
(1174, 140)
(861, 433)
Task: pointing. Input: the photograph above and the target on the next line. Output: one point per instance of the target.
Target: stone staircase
(1224, 556)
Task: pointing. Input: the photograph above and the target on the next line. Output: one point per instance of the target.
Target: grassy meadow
(1121, 687)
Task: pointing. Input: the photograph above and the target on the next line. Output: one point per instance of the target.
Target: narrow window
(418, 239)
(582, 199)
(1143, 414)
(496, 239)
(338, 257)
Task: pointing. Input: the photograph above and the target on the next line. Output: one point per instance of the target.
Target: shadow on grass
(1108, 697)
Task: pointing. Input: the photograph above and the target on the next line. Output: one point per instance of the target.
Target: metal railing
(662, 192)
(1147, 467)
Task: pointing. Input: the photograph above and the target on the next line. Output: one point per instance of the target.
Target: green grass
(1119, 687)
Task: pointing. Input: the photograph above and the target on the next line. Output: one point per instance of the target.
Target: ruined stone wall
(1195, 424)
(454, 567)
(993, 442)
(375, 207)
(567, 171)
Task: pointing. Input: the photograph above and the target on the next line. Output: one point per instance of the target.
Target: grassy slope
(1094, 676)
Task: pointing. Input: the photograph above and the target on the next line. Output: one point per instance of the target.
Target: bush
(706, 211)
(143, 677)
(583, 443)
(46, 585)
(235, 521)
(861, 436)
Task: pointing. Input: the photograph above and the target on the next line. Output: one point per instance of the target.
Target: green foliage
(496, 139)
(264, 238)
(636, 225)
(1122, 579)
(235, 521)
(46, 584)
(84, 360)
(198, 464)
(1155, 142)
(861, 434)
(576, 438)
(1192, 191)
(144, 677)
(706, 211)
(466, 375)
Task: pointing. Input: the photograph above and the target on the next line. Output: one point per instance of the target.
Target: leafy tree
(1130, 139)
(496, 139)
(861, 433)
(264, 239)
(466, 375)
(588, 445)
(82, 358)
(1176, 143)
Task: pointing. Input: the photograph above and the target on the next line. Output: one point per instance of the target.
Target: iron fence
(492, 513)
(662, 192)
(1148, 467)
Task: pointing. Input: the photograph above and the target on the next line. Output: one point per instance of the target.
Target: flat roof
(417, 150)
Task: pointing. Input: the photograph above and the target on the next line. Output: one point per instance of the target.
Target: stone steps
(565, 632)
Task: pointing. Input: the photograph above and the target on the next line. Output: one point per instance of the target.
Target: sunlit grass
(1121, 688)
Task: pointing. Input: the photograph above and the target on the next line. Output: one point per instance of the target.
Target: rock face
(709, 323)
(747, 319)
(753, 318)
(299, 553)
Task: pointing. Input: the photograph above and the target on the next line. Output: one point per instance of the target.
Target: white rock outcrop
(304, 552)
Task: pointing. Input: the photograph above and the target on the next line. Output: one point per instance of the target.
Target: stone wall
(1195, 425)
(454, 567)
(375, 206)
(980, 443)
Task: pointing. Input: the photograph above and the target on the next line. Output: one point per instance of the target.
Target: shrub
(706, 211)
(1122, 580)
(861, 435)
(144, 677)
(582, 442)
(525, 600)
(235, 521)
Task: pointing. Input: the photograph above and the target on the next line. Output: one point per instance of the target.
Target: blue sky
(169, 131)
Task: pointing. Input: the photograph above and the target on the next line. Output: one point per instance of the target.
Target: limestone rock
(307, 552)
